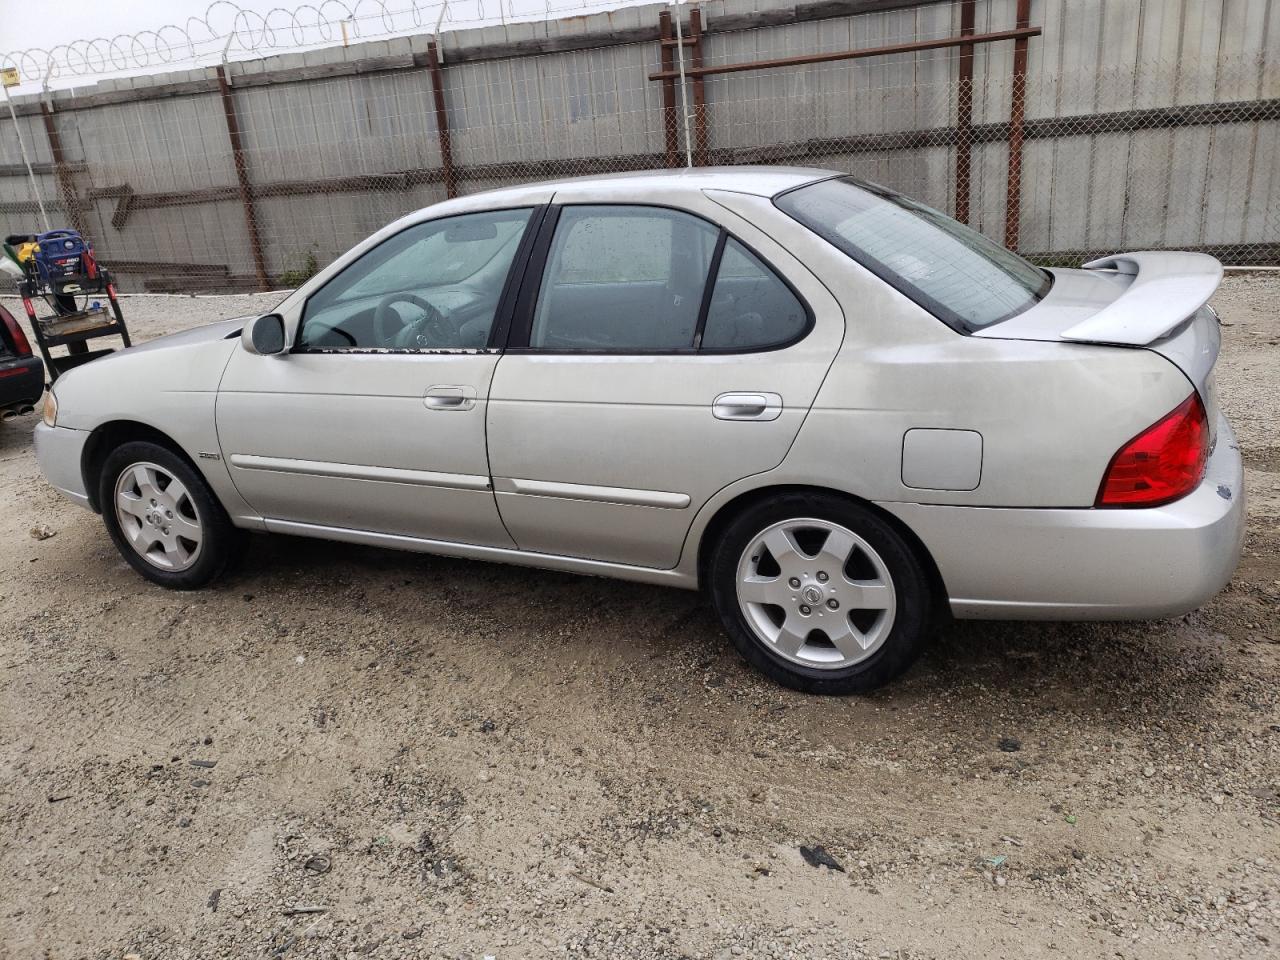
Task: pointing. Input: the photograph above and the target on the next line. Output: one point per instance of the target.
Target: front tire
(820, 594)
(163, 517)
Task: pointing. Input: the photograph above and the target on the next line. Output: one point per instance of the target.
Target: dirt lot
(462, 760)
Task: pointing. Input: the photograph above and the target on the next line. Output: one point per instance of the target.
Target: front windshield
(954, 272)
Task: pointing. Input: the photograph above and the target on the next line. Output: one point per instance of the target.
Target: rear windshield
(954, 272)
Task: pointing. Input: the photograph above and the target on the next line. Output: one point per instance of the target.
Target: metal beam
(66, 183)
(1017, 120)
(242, 180)
(701, 137)
(442, 122)
(670, 139)
(964, 114)
(1021, 34)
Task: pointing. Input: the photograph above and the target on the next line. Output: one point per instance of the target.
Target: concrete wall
(339, 141)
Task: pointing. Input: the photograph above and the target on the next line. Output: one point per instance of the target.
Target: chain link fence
(258, 178)
(1177, 153)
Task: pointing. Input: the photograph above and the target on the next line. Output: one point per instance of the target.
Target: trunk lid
(1149, 300)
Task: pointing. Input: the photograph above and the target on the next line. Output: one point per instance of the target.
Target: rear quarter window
(750, 308)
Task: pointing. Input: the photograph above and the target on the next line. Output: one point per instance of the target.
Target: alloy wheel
(158, 517)
(816, 593)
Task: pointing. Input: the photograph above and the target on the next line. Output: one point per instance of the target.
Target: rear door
(655, 357)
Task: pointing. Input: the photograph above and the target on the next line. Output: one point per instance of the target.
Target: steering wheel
(432, 328)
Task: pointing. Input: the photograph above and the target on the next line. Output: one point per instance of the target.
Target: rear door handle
(747, 406)
(448, 397)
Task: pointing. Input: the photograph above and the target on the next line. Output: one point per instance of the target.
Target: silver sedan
(839, 412)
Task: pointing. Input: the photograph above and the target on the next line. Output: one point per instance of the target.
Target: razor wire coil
(229, 30)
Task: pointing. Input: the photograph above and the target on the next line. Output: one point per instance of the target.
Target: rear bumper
(58, 451)
(21, 383)
(1089, 564)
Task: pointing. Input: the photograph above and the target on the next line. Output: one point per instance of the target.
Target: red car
(21, 372)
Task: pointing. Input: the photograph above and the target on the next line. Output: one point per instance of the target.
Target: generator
(60, 264)
(64, 262)
(58, 269)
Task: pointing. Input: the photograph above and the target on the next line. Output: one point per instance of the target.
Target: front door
(655, 358)
(375, 420)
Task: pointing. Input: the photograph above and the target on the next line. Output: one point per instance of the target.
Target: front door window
(434, 286)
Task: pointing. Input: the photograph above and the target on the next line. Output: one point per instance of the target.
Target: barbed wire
(230, 31)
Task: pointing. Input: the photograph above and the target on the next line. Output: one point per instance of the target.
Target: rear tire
(163, 517)
(820, 594)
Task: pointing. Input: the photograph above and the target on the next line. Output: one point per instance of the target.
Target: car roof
(760, 180)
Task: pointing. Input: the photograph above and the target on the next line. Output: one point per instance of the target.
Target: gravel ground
(343, 752)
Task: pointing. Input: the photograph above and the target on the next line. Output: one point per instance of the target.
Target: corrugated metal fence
(1067, 128)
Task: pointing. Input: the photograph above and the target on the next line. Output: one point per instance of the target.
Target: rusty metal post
(669, 136)
(701, 141)
(242, 179)
(964, 114)
(442, 123)
(1017, 117)
(66, 183)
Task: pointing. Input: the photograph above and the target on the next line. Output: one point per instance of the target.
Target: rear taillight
(1164, 462)
(20, 344)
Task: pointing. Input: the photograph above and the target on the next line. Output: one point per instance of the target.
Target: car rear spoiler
(1167, 288)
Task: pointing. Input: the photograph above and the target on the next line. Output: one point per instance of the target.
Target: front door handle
(443, 397)
(747, 406)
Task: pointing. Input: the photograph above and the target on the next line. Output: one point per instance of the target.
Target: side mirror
(265, 336)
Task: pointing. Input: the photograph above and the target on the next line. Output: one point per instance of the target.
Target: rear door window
(638, 279)
(623, 278)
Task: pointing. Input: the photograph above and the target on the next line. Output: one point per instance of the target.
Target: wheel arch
(108, 436)
(726, 512)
